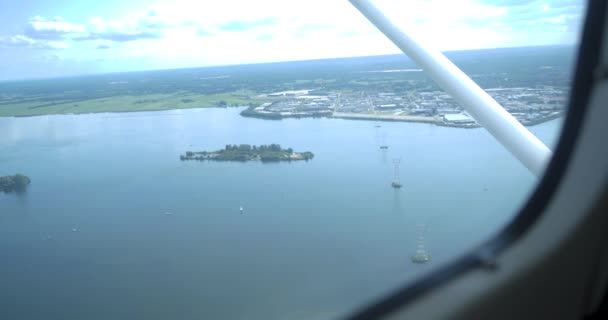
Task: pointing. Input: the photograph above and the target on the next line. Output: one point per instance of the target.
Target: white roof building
(457, 118)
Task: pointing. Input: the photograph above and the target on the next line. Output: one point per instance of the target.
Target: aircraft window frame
(483, 256)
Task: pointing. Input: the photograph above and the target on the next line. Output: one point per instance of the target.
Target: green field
(127, 103)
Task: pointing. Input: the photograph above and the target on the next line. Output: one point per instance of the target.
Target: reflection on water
(397, 200)
(383, 153)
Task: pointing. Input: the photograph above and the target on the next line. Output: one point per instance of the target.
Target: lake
(90, 239)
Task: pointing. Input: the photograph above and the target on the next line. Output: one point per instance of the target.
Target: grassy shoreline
(343, 116)
(125, 103)
(115, 111)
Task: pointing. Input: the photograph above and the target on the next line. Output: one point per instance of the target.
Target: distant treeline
(16, 183)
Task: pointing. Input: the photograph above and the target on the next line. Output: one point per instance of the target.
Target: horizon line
(262, 63)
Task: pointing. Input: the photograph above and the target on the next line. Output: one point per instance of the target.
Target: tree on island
(17, 183)
(307, 155)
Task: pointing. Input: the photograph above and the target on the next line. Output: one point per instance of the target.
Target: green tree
(17, 183)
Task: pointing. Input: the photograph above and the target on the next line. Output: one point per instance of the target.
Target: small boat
(383, 145)
(396, 182)
(168, 213)
(241, 209)
(421, 256)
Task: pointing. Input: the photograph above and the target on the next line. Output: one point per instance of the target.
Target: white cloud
(313, 29)
(147, 26)
(54, 45)
(55, 28)
(22, 41)
(556, 20)
(17, 41)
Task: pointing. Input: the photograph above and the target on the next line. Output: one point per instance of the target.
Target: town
(529, 105)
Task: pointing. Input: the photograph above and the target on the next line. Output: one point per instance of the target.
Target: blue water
(316, 239)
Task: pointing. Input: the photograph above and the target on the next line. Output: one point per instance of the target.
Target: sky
(57, 38)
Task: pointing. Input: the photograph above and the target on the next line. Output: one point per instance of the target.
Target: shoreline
(435, 121)
(114, 111)
(392, 118)
(335, 115)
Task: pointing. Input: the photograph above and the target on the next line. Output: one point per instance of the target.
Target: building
(389, 106)
(458, 118)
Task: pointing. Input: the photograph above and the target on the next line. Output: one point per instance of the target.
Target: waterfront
(316, 238)
(530, 106)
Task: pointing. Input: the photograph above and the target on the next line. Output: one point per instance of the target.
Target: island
(17, 183)
(246, 152)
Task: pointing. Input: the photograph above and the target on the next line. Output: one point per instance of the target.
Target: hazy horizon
(262, 63)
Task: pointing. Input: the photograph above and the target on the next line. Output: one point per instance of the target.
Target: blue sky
(62, 38)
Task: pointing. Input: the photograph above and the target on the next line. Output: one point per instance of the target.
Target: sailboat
(383, 145)
(396, 183)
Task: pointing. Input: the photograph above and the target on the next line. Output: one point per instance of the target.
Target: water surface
(90, 239)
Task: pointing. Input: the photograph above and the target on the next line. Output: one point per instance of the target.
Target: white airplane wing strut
(525, 146)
